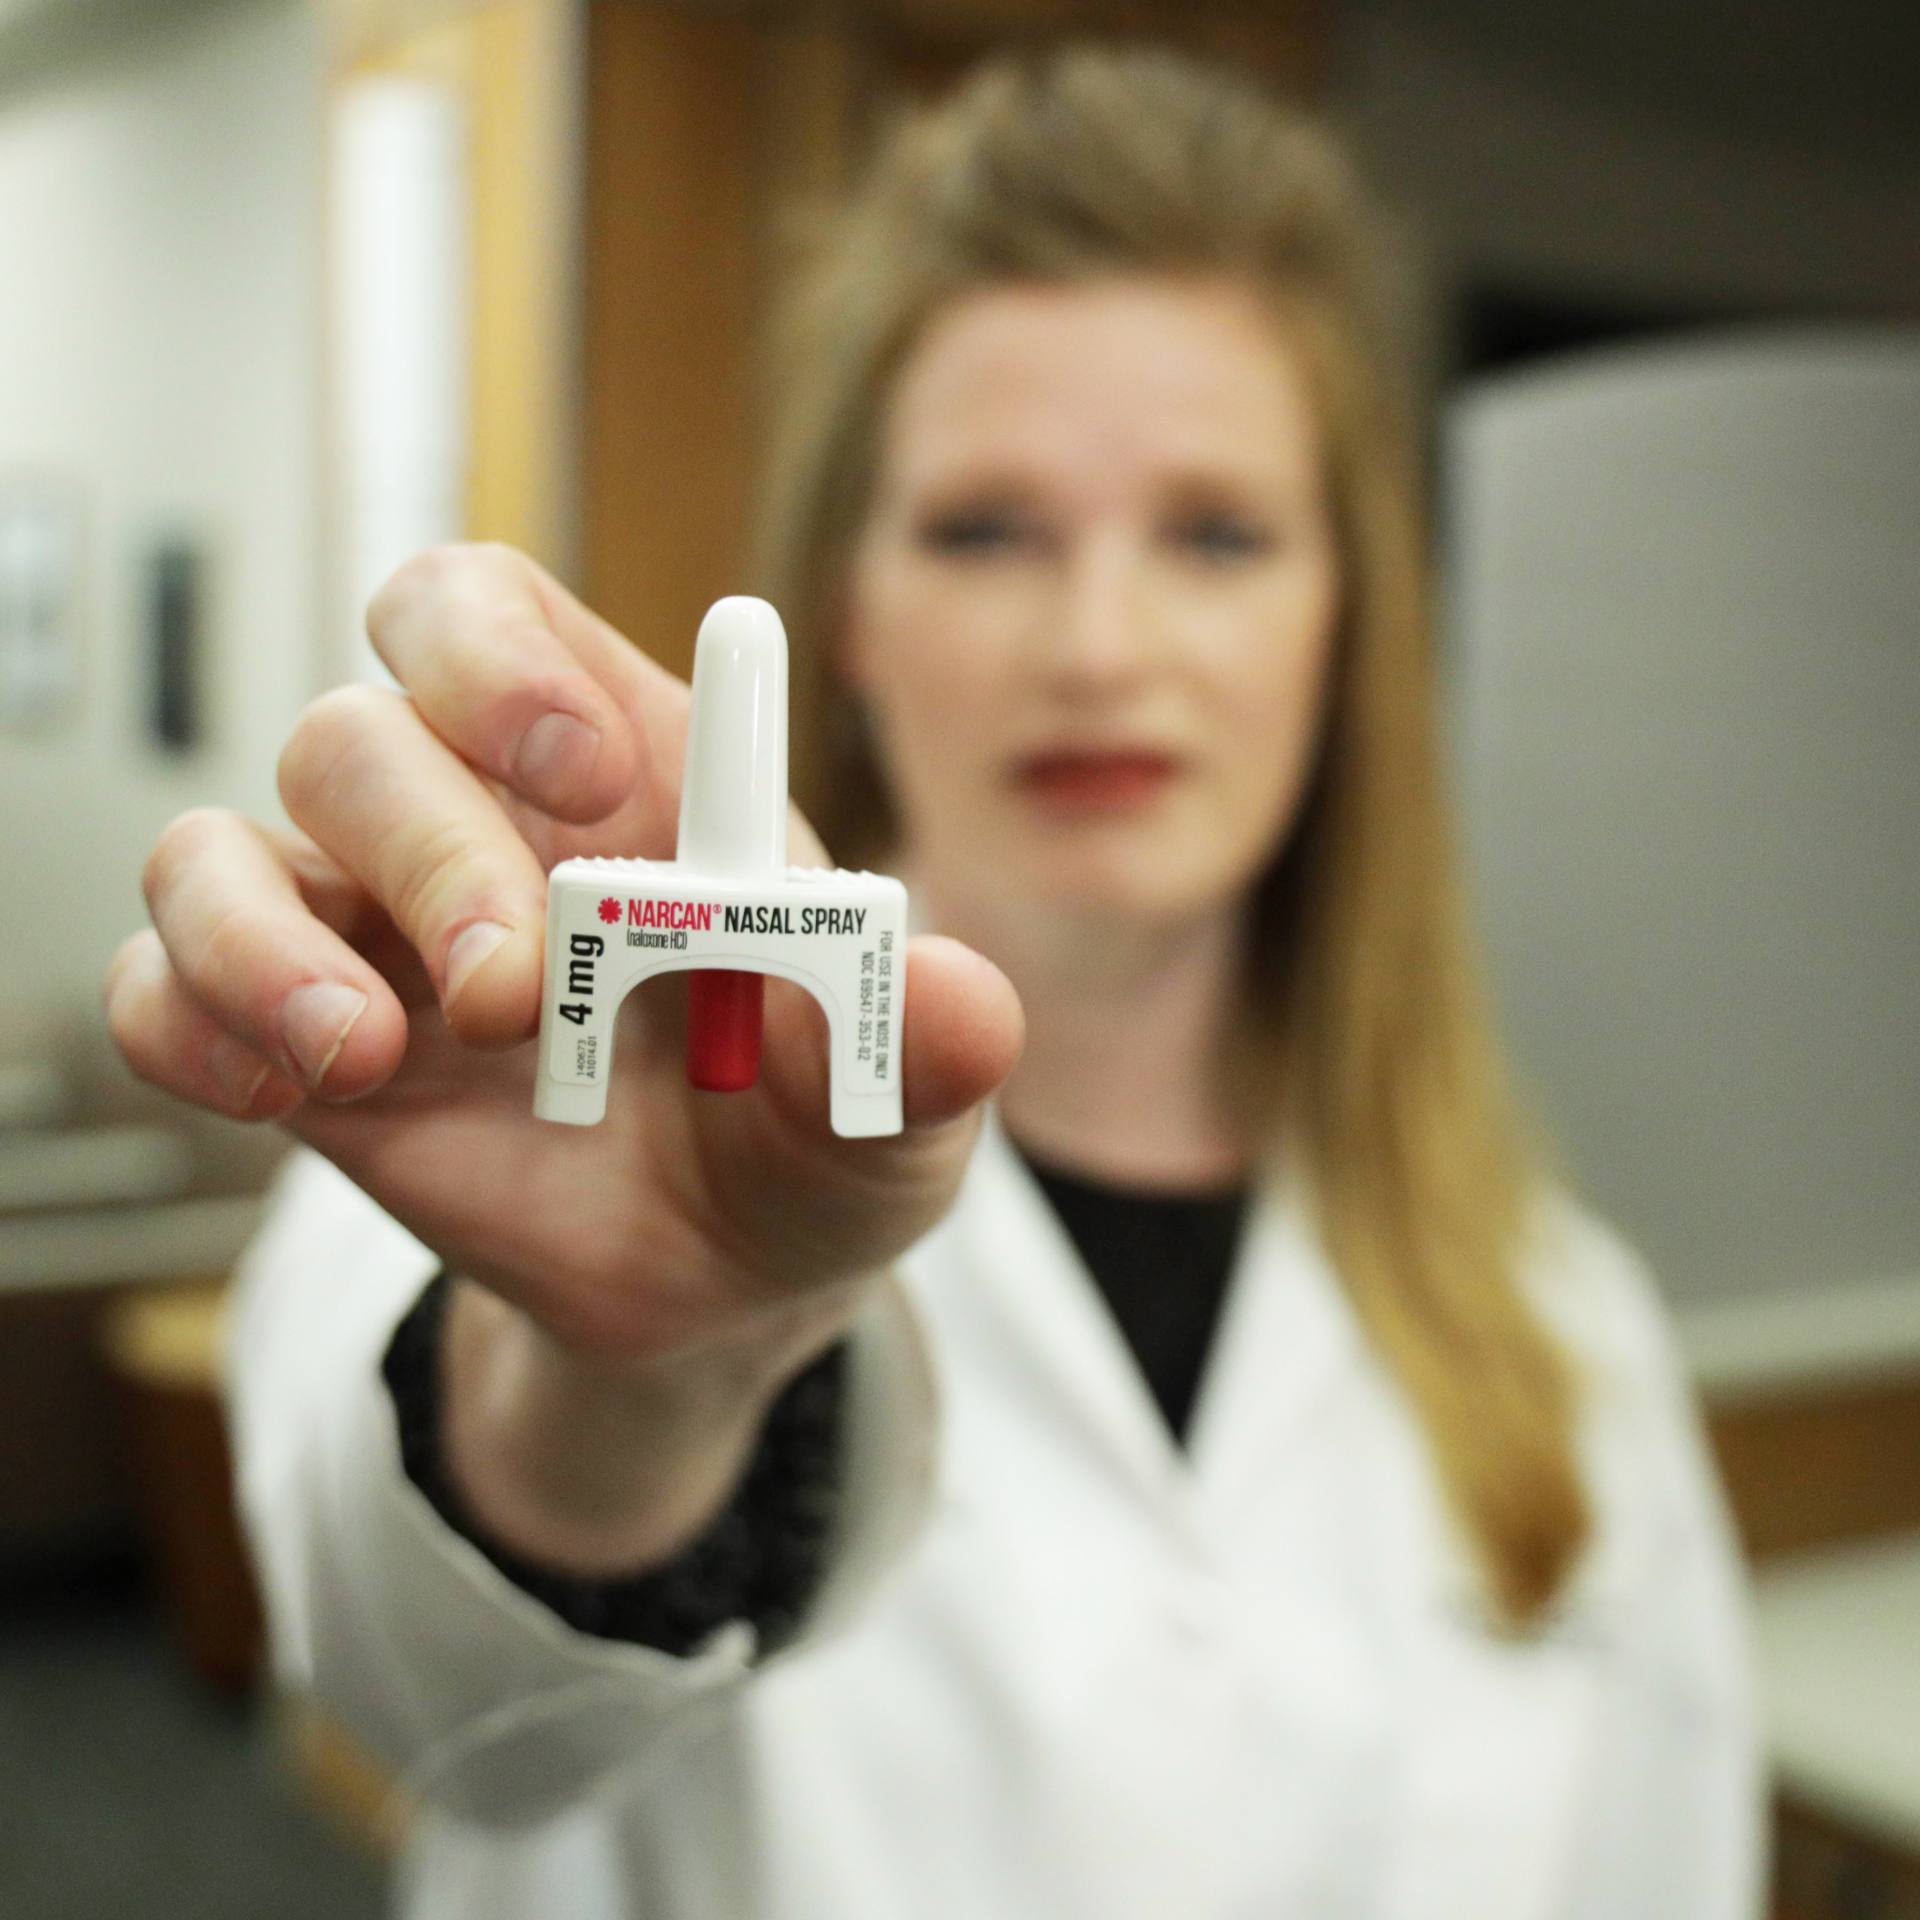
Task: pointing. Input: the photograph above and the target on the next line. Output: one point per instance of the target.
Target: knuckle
(438, 573)
(426, 888)
(326, 738)
(187, 838)
(229, 950)
(419, 577)
(493, 568)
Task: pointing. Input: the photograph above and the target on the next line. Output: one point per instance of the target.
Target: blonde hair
(1373, 1065)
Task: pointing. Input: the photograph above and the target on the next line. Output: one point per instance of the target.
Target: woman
(709, 1516)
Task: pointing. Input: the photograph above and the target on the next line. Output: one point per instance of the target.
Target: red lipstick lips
(1095, 781)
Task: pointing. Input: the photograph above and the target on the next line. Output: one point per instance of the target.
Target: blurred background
(289, 289)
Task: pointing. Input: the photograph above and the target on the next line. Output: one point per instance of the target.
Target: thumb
(962, 1030)
(820, 1206)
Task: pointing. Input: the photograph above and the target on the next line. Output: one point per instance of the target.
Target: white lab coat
(1060, 1668)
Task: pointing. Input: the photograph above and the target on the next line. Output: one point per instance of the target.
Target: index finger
(527, 685)
(470, 629)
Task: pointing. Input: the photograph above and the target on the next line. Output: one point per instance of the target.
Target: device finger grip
(730, 910)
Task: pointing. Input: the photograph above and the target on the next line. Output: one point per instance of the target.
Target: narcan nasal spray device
(728, 909)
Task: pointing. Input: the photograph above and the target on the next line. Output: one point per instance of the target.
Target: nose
(1098, 630)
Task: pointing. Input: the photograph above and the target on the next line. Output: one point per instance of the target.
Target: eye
(1221, 537)
(974, 532)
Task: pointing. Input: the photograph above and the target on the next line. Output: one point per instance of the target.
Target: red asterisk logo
(609, 909)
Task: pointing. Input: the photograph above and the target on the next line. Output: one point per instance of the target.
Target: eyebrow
(968, 481)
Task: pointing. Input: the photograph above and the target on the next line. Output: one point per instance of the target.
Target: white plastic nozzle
(733, 796)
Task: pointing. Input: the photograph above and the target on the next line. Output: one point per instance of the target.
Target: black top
(760, 1558)
(1161, 1262)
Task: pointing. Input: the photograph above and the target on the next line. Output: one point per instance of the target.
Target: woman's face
(1092, 605)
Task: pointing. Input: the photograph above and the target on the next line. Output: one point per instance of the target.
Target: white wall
(159, 214)
(1702, 937)
(1686, 601)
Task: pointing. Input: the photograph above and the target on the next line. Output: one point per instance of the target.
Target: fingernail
(315, 1023)
(557, 754)
(469, 951)
(236, 1070)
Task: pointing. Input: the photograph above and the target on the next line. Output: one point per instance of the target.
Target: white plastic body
(613, 923)
(728, 900)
